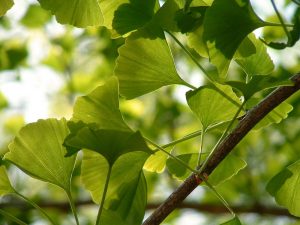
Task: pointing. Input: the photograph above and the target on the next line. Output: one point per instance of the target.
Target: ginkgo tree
(115, 155)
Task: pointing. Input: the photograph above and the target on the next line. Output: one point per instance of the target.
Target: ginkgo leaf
(35, 11)
(5, 185)
(228, 168)
(226, 24)
(140, 62)
(80, 13)
(213, 104)
(275, 116)
(5, 6)
(258, 63)
(179, 171)
(109, 143)
(123, 16)
(156, 162)
(285, 187)
(126, 196)
(101, 107)
(258, 83)
(233, 221)
(44, 161)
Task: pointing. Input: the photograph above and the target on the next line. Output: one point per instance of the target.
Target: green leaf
(35, 11)
(38, 151)
(132, 15)
(179, 171)
(275, 116)
(127, 15)
(80, 13)
(258, 83)
(5, 6)
(226, 24)
(213, 104)
(156, 162)
(145, 63)
(126, 196)
(259, 63)
(101, 107)
(109, 143)
(5, 185)
(285, 187)
(228, 168)
(233, 221)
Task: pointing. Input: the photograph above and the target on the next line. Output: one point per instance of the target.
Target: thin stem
(103, 195)
(218, 195)
(191, 56)
(187, 5)
(73, 208)
(36, 207)
(222, 137)
(11, 217)
(270, 24)
(172, 156)
(201, 149)
(281, 21)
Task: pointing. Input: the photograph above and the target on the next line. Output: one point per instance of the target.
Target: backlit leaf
(5, 186)
(228, 168)
(80, 13)
(226, 24)
(145, 63)
(126, 196)
(5, 6)
(258, 63)
(38, 151)
(123, 16)
(101, 107)
(35, 11)
(285, 187)
(109, 143)
(156, 162)
(213, 104)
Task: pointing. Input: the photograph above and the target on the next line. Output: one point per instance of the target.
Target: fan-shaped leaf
(258, 63)
(80, 13)
(5, 186)
(145, 63)
(213, 104)
(126, 196)
(228, 168)
(285, 187)
(226, 24)
(101, 107)
(5, 6)
(109, 143)
(38, 151)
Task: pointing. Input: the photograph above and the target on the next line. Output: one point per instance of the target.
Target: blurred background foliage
(44, 66)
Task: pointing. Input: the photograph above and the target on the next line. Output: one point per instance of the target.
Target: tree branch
(244, 126)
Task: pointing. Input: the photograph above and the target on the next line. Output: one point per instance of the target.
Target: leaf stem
(104, 195)
(222, 137)
(218, 195)
(36, 207)
(201, 148)
(172, 156)
(281, 21)
(191, 56)
(11, 217)
(73, 208)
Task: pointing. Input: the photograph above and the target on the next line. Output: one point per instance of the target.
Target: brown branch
(244, 126)
(64, 207)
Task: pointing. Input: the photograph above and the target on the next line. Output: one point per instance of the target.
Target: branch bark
(252, 117)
